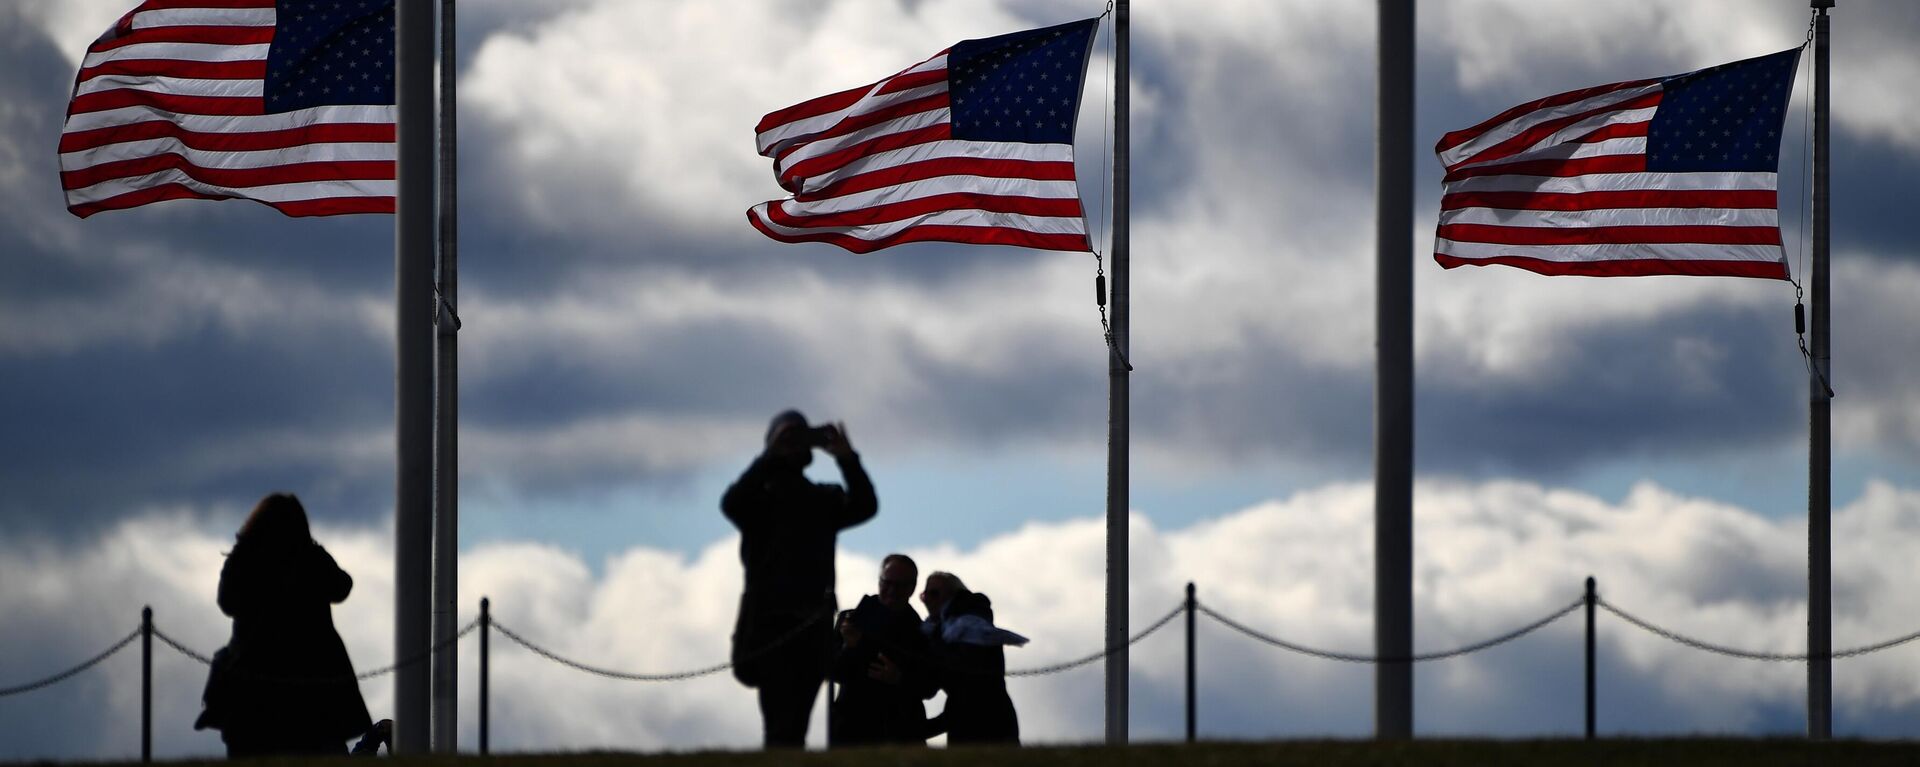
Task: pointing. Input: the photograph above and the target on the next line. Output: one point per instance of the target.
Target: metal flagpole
(1819, 457)
(413, 331)
(446, 417)
(1393, 388)
(1117, 399)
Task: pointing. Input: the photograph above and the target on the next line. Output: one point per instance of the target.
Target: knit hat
(785, 417)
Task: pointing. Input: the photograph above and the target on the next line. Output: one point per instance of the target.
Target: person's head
(942, 587)
(277, 520)
(787, 438)
(898, 574)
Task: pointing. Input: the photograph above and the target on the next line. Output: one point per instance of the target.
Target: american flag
(973, 145)
(1674, 175)
(288, 103)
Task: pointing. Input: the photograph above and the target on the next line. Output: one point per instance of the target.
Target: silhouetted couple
(890, 661)
(784, 643)
(283, 684)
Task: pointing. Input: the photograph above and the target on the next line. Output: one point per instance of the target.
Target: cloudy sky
(627, 335)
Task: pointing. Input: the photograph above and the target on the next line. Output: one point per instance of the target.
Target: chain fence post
(146, 684)
(1592, 597)
(1190, 675)
(486, 622)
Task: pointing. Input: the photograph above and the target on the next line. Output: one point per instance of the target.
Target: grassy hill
(1344, 753)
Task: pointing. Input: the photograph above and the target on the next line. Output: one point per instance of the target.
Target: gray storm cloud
(623, 323)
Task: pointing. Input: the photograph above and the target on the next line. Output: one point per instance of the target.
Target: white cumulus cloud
(1490, 556)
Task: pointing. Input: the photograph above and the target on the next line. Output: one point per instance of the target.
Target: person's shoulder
(971, 603)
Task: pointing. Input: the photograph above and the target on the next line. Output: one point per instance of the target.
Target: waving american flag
(973, 145)
(1675, 175)
(288, 103)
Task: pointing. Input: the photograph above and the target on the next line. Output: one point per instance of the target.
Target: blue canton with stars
(329, 52)
(1724, 118)
(1023, 86)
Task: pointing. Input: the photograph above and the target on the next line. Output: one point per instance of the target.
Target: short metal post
(1190, 678)
(146, 684)
(1592, 597)
(486, 622)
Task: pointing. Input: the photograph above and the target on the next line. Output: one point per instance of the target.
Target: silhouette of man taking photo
(782, 640)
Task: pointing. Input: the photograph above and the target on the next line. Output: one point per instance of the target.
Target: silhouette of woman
(283, 684)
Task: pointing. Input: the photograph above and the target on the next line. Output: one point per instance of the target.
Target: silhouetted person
(788, 526)
(970, 659)
(882, 665)
(283, 684)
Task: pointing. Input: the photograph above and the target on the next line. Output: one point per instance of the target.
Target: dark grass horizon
(1704, 750)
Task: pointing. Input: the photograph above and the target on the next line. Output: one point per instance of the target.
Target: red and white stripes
(1561, 186)
(877, 165)
(168, 104)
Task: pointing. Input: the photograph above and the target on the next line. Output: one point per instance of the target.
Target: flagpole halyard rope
(1106, 202)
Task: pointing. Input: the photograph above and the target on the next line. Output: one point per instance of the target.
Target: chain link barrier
(1078, 662)
(667, 677)
(360, 677)
(1748, 654)
(1054, 668)
(1417, 658)
(69, 673)
(797, 631)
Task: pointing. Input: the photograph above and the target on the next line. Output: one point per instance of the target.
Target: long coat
(868, 711)
(788, 528)
(284, 677)
(975, 678)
